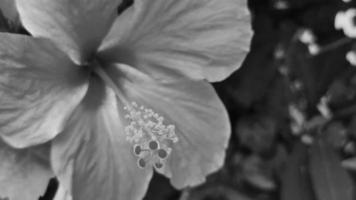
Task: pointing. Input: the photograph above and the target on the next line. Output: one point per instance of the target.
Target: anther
(141, 163)
(158, 165)
(162, 153)
(153, 145)
(151, 137)
(137, 150)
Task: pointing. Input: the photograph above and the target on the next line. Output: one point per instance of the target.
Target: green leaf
(296, 183)
(330, 180)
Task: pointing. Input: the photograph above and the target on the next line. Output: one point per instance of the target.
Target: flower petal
(200, 119)
(25, 173)
(39, 88)
(92, 158)
(62, 194)
(200, 39)
(76, 26)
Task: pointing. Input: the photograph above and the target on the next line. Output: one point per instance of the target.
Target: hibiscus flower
(113, 98)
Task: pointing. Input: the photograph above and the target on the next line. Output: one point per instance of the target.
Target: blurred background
(292, 107)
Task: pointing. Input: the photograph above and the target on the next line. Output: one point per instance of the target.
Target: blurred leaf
(256, 132)
(250, 82)
(330, 180)
(258, 174)
(316, 72)
(336, 134)
(350, 163)
(338, 91)
(279, 160)
(296, 183)
(277, 100)
(352, 126)
(302, 68)
(323, 17)
(328, 67)
(298, 4)
(214, 192)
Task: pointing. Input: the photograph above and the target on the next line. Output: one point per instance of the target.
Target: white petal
(24, 175)
(76, 26)
(205, 39)
(39, 89)
(92, 158)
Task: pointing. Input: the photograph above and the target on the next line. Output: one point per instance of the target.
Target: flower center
(150, 137)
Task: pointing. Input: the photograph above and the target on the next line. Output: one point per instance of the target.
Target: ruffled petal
(205, 39)
(193, 107)
(92, 158)
(39, 89)
(25, 173)
(76, 26)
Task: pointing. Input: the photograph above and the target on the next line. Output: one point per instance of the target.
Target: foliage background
(282, 146)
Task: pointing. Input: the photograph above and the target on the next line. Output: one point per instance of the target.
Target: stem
(336, 44)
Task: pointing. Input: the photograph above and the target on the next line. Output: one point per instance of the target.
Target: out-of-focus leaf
(325, 70)
(336, 134)
(298, 4)
(330, 180)
(352, 126)
(318, 72)
(258, 174)
(342, 96)
(257, 132)
(296, 183)
(279, 160)
(302, 68)
(323, 17)
(350, 163)
(249, 84)
(214, 192)
(338, 92)
(277, 100)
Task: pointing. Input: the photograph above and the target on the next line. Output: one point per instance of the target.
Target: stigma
(151, 139)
